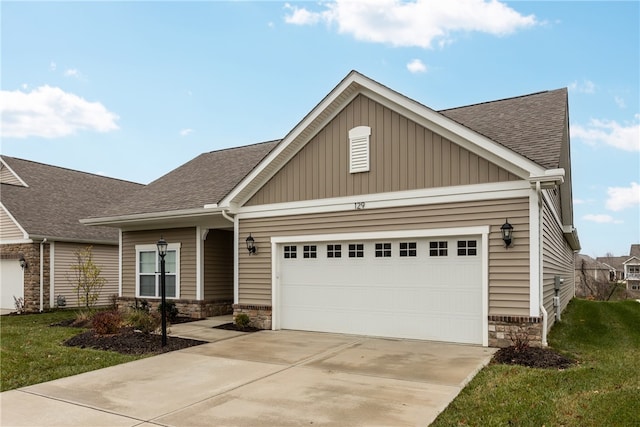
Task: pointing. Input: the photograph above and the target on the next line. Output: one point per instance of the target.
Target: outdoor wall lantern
(162, 252)
(507, 233)
(251, 245)
(23, 262)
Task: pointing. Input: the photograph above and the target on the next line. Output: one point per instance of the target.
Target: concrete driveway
(269, 378)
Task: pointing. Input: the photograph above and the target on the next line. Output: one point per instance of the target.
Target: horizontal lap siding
(8, 229)
(186, 236)
(558, 259)
(218, 265)
(65, 282)
(508, 268)
(403, 156)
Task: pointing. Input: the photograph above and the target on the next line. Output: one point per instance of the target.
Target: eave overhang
(182, 215)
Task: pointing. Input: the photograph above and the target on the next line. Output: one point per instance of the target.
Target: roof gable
(57, 198)
(8, 176)
(503, 153)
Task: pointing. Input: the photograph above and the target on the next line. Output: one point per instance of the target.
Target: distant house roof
(204, 180)
(533, 126)
(48, 201)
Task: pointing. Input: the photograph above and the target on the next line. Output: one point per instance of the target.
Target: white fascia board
(155, 216)
(25, 235)
(549, 178)
(462, 193)
(457, 133)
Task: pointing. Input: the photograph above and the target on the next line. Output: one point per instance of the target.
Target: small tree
(85, 275)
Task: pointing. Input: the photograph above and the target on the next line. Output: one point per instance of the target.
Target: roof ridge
(69, 169)
(242, 146)
(503, 99)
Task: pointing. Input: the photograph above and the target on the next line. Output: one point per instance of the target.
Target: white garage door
(11, 283)
(422, 288)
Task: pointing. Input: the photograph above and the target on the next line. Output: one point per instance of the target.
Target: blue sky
(132, 90)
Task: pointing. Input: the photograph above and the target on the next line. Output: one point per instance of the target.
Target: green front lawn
(31, 351)
(602, 390)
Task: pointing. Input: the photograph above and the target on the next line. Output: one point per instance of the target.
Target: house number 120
(359, 205)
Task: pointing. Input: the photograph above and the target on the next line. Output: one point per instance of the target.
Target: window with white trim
(334, 251)
(438, 248)
(359, 149)
(383, 250)
(148, 271)
(290, 252)
(467, 248)
(408, 249)
(309, 251)
(356, 250)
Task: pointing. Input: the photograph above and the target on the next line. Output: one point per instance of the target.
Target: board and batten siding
(218, 265)
(508, 268)
(185, 236)
(557, 259)
(8, 229)
(64, 277)
(403, 156)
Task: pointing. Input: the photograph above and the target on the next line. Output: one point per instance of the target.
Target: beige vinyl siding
(557, 259)
(7, 177)
(8, 229)
(218, 265)
(508, 268)
(404, 156)
(104, 256)
(186, 236)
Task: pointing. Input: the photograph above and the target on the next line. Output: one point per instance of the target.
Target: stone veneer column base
(196, 309)
(260, 315)
(504, 330)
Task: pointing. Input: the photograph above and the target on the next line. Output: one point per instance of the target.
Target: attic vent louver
(359, 149)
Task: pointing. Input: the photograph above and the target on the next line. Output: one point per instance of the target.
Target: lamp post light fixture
(162, 252)
(23, 262)
(251, 246)
(507, 233)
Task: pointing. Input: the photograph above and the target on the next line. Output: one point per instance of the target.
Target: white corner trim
(535, 253)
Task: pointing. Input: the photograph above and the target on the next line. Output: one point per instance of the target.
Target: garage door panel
(422, 296)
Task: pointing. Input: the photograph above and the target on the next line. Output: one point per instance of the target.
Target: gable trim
(352, 85)
(25, 235)
(4, 164)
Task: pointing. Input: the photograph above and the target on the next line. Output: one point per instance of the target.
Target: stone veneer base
(196, 309)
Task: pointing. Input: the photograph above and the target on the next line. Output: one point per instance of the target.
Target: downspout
(540, 260)
(236, 270)
(42, 274)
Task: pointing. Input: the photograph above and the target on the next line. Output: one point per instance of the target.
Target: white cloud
(72, 72)
(610, 133)
(185, 132)
(49, 112)
(623, 197)
(417, 23)
(416, 66)
(587, 86)
(601, 218)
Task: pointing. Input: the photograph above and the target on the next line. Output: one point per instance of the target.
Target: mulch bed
(128, 341)
(533, 357)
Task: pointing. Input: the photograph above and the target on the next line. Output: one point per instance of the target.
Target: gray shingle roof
(204, 180)
(57, 198)
(533, 126)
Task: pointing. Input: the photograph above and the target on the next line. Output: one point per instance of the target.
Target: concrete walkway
(269, 378)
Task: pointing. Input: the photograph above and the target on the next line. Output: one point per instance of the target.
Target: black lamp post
(162, 251)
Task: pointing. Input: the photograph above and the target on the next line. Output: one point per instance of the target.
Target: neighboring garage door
(421, 288)
(11, 283)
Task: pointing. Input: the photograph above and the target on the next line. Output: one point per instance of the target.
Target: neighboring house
(615, 266)
(590, 273)
(632, 268)
(40, 209)
(375, 215)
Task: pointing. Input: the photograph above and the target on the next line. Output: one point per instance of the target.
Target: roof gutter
(157, 216)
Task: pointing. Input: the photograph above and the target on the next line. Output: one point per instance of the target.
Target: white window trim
(359, 149)
(154, 248)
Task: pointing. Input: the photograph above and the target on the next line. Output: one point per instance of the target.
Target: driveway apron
(268, 378)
